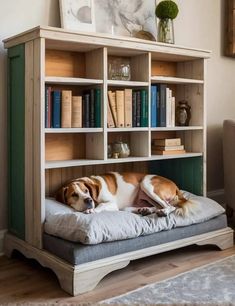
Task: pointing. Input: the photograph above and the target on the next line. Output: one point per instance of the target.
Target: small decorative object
(78, 15)
(183, 113)
(121, 148)
(145, 35)
(166, 11)
(109, 151)
(119, 69)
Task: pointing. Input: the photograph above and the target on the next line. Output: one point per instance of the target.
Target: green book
(144, 108)
(97, 107)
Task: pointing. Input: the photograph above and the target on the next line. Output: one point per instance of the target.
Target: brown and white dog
(117, 191)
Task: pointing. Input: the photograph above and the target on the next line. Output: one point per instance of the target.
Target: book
(168, 148)
(86, 110)
(138, 108)
(153, 106)
(168, 107)
(128, 107)
(144, 108)
(173, 111)
(97, 107)
(172, 152)
(92, 108)
(113, 105)
(48, 107)
(66, 109)
(110, 121)
(134, 108)
(162, 101)
(120, 108)
(56, 108)
(76, 112)
(167, 142)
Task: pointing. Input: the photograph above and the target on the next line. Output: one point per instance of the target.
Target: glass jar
(166, 31)
(183, 113)
(119, 69)
(120, 148)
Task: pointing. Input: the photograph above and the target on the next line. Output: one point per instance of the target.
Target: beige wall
(199, 25)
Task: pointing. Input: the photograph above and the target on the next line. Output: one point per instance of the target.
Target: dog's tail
(184, 206)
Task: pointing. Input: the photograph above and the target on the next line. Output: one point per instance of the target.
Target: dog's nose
(88, 202)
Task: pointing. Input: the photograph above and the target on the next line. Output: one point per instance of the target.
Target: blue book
(153, 106)
(56, 108)
(162, 100)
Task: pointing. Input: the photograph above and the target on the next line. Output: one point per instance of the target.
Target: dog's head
(80, 194)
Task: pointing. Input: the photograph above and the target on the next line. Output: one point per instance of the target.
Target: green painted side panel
(187, 173)
(16, 140)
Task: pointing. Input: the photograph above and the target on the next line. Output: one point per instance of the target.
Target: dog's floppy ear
(61, 195)
(93, 187)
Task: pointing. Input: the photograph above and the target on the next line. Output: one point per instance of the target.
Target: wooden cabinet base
(83, 278)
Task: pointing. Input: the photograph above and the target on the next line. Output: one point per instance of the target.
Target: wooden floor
(23, 281)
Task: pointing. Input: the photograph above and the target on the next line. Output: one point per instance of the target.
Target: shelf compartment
(174, 80)
(73, 130)
(72, 146)
(72, 81)
(138, 142)
(60, 63)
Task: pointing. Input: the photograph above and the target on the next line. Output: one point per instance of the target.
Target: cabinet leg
(224, 241)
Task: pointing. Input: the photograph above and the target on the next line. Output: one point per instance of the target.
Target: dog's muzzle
(88, 202)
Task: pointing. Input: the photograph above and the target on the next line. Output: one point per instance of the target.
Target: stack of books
(167, 146)
(162, 106)
(63, 110)
(128, 108)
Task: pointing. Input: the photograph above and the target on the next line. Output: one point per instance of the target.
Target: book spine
(128, 107)
(113, 105)
(92, 108)
(120, 108)
(110, 121)
(138, 108)
(66, 109)
(86, 110)
(76, 112)
(56, 109)
(168, 107)
(173, 111)
(48, 107)
(162, 97)
(144, 108)
(97, 107)
(153, 106)
(158, 107)
(134, 108)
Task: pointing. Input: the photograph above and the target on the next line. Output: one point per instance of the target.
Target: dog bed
(64, 222)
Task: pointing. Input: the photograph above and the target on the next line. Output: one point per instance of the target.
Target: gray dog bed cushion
(77, 253)
(65, 223)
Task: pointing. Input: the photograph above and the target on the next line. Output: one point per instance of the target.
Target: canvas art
(77, 15)
(117, 17)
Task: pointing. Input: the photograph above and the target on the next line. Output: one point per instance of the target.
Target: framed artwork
(117, 17)
(230, 28)
(78, 15)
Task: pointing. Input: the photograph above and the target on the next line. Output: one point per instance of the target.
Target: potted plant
(166, 11)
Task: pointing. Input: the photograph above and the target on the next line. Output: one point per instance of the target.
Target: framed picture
(125, 18)
(78, 15)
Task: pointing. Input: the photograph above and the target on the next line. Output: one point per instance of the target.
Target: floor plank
(24, 281)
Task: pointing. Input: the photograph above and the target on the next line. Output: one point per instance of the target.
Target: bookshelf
(41, 159)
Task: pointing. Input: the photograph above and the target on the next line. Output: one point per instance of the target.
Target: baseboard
(217, 195)
(2, 233)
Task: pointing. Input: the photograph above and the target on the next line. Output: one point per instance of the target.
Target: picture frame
(115, 17)
(230, 28)
(78, 15)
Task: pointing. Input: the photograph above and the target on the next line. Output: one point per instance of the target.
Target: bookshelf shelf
(174, 80)
(177, 128)
(119, 83)
(72, 81)
(73, 130)
(134, 129)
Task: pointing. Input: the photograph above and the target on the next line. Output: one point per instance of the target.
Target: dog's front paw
(144, 211)
(89, 211)
(161, 213)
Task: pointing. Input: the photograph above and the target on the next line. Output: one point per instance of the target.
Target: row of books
(167, 146)
(162, 106)
(63, 110)
(128, 108)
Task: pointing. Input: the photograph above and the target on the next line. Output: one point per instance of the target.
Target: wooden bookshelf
(41, 159)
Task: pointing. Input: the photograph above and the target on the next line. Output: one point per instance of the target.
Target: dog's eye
(75, 195)
(86, 191)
